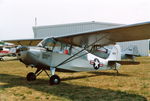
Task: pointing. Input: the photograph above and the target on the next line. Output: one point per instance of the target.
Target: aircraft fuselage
(40, 57)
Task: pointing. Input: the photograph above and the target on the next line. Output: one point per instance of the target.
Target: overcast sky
(17, 16)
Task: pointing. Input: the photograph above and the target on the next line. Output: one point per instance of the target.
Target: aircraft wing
(100, 37)
(27, 42)
(107, 36)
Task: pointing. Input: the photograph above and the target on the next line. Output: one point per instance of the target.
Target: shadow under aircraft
(69, 91)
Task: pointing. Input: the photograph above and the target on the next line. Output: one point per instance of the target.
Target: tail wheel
(54, 80)
(31, 76)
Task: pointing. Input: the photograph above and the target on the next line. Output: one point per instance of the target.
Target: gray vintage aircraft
(79, 51)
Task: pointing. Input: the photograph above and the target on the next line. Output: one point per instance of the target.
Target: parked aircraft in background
(80, 51)
(7, 50)
(130, 53)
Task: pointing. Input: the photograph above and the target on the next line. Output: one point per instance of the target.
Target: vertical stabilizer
(115, 53)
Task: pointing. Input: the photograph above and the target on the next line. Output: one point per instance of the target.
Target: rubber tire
(53, 79)
(31, 76)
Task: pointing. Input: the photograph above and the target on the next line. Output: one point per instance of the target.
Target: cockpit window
(51, 45)
(102, 52)
(58, 47)
(47, 43)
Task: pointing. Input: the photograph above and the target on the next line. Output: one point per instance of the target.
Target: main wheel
(54, 80)
(31, 76)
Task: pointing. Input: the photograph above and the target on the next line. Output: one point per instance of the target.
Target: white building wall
(142, 45)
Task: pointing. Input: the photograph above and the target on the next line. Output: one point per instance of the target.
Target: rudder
(115, 53)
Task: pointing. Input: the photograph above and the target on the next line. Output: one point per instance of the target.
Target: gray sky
(17, 16)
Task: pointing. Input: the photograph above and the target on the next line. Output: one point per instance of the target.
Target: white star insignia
(96, 63)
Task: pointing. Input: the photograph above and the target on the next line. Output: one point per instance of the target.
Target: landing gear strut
(117, 71)
(54, 79)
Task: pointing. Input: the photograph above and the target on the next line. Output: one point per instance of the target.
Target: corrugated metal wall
(143, 46)
(68, 29)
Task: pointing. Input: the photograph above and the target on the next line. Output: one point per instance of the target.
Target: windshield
(47, 42)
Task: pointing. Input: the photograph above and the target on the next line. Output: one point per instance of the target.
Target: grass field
(132, 84)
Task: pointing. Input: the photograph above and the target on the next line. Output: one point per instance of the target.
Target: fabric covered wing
(109, 35)
(27, 42)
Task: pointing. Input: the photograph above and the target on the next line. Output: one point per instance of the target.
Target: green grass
(132, 84)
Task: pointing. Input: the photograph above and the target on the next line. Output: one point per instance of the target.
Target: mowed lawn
(132, 84)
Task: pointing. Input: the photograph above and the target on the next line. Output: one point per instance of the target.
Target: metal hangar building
(73, 28)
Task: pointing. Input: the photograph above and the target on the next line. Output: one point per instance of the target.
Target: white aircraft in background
(7, 51)
(130, 53)
(79, 51)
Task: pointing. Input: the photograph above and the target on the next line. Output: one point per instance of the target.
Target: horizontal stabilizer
(124, 62)
(130, 55)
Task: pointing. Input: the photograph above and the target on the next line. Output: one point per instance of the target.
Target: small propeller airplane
(79, 51)
(7, 51)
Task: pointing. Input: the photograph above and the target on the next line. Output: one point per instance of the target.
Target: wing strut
(71, 58)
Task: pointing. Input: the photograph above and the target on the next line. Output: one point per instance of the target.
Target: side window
(57, 47)
(102, 52)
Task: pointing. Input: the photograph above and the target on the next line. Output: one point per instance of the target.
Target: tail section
(115, 53)
(114, 59)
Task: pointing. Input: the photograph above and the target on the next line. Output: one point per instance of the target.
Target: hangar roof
(69, 29)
